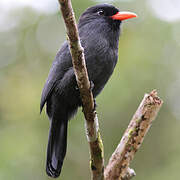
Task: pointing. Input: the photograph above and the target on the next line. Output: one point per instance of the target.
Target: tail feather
(57, 145)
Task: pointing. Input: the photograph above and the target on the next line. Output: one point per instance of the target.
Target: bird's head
(105, 13)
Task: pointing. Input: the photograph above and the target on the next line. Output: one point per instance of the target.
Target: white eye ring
(101, 12)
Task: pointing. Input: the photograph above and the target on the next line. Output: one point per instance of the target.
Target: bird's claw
(95, 105)
(91, 85)
(76, 87)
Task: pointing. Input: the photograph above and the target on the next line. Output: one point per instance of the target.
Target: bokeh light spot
(166, 10)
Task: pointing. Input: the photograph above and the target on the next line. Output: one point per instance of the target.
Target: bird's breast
(101, 68)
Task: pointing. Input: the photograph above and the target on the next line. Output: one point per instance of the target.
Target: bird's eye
(101, 12)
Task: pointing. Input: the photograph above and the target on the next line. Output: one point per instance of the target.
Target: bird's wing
(59, 67)
(51, 82)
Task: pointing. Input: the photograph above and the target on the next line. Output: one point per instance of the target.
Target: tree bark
(91, 119)
(133, 137)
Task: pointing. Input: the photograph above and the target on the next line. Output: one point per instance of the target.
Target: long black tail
(57, 144)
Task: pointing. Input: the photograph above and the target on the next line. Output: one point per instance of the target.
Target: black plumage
(99, 35)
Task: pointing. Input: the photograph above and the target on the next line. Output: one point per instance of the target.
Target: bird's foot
(95, 105)
(91, 85)
(76, 87)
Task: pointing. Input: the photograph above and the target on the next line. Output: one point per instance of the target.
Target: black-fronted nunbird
(99, 30)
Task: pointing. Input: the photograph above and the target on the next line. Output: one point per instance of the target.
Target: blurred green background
(31, 32)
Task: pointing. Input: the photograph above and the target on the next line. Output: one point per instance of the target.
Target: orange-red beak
(123, 15)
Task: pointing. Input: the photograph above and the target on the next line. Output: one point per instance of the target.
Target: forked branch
(118, 166)
(133, 137)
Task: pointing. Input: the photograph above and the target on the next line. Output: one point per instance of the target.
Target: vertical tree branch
(133, 137)
(78, 60)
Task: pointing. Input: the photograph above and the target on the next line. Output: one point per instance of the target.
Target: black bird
(99, 30)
